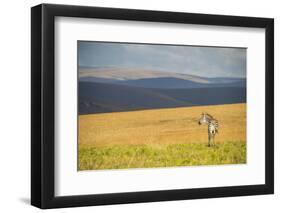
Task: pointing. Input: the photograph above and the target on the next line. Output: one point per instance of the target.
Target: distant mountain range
(168, 82)
(112, 90)
(123, 74)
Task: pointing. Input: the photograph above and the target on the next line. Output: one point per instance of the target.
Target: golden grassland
(161, 137)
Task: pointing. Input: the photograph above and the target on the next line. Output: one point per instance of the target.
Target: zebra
(213, 126)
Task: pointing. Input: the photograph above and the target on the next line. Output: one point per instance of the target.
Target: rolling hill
(155, 78)
(110, 89)
(107, 97)
(124, 74)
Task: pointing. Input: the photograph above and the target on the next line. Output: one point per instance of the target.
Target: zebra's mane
(209, 116)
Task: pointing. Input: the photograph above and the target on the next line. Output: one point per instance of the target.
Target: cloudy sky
(194, 60)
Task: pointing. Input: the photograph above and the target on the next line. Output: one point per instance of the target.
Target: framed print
(139, 106)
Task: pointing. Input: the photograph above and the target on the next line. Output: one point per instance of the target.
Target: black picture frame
(43, 102)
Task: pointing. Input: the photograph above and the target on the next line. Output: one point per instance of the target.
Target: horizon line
(157, 70)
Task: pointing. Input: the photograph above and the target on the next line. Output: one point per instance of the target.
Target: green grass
(161, 155)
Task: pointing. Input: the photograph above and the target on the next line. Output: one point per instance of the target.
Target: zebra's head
(204, 119)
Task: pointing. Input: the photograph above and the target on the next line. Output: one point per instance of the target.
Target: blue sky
(194, 60)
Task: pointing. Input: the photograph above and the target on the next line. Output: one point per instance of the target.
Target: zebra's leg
(209, 139)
